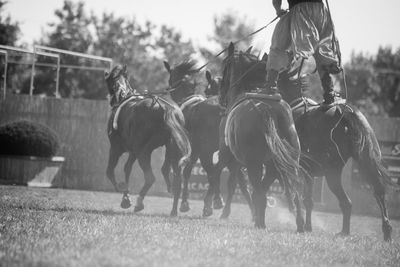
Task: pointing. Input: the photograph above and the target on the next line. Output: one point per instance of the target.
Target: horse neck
(180, 95)
(233, 93)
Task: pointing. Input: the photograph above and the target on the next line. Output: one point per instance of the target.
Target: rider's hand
(281, 12)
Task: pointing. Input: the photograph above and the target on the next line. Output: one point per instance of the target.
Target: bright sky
(361, 25)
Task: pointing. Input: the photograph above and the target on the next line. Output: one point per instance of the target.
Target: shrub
(27, 138)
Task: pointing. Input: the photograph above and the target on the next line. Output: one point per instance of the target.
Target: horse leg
(308, 203)
(333, 179)
(128, 169)
(206, 162)
(126, 202)
(145, 165)
(245, 191)
(218, 202)
(176, 187)
(187, 171)
(259, 199)
(232, 182)
(299, 213)
(166, 167)
(113, 157)
(372, 175)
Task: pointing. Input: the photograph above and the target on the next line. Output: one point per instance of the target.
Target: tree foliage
(373, 82)
(9, 30)
(229, 27)
(387, 66)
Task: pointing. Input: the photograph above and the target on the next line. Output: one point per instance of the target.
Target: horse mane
(187, 67)
(115, 72)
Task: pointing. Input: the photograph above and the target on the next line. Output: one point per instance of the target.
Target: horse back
(249, 121)
(138, 122)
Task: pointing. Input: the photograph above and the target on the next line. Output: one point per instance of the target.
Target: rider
(302, 35)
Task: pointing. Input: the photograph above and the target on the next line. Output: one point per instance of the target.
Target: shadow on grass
(105, 212)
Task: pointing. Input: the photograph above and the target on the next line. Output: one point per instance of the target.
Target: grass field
(52, 227)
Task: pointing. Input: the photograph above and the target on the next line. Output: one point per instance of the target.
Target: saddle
(258, 96)
(190, 99)
(135, 98)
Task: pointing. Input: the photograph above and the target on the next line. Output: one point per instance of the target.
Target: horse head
(242, 72)
(118, 84)
(182, 79)
(213, 84)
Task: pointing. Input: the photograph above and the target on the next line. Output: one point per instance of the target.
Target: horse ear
(231, 49)
(208, 76)
(167, 66)
(106, 74)
(265, 57)
(249, 49)
(124, 70)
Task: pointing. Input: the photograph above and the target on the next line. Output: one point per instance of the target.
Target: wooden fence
(81, 126)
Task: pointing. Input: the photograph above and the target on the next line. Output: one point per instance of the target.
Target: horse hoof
(184, 207)
(207, 212)
(138, 208)
(174, 213)
(260, 226)
(387, 232)
(225, 214)
(218, 203)
(307, 228)
(122, 187)
(342, 234)
(387, 238)
(126, 202)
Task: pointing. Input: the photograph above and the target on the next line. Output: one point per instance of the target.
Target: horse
(139, 124)
(202, 119)
(225, 157)
(330, 136)
(260, 133)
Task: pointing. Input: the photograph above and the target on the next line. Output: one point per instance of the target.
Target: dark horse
(138, 125)
(330, 136)
(260, 132)
(226, 158)
(202, 118)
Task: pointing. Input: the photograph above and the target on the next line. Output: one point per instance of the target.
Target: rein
(241, 39)
(238, 80)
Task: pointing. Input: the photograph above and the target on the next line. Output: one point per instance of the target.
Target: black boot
(330, 95)
(271, 86)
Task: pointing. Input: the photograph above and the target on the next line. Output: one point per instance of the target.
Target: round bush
(27, 138)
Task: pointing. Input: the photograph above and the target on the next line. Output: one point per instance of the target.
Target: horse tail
(284, 157)
(175, 122)
(366, 149)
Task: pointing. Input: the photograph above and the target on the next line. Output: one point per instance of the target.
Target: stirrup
(334, 100)
(273, 91)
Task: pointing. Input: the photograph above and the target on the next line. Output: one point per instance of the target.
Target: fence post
(3, 95)
(33, 71)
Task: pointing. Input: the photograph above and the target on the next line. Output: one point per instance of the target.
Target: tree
(71, 32)
(229, 27)
(363, 89)
(9, 30)
(141, 48)
(387, 67)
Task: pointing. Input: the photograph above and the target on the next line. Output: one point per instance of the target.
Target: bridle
(240, 78)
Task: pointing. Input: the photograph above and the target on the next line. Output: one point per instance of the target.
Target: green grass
(51, 227)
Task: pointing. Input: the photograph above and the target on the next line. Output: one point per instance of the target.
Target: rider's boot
(330, 95)
(271, 86)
